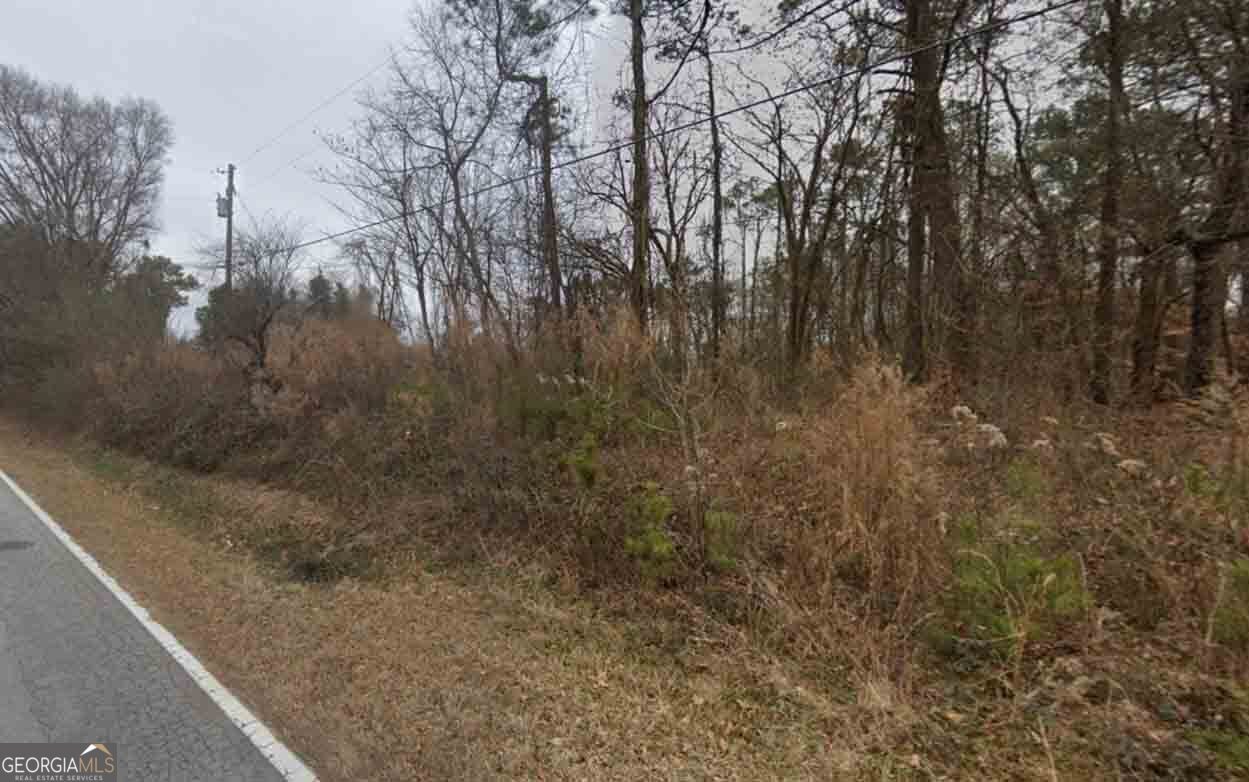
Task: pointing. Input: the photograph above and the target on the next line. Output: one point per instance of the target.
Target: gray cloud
(232, 74)
(229, 73)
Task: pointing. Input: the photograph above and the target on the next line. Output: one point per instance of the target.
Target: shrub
(1009, 599)
(173, 402)
(1199, 482)
(333, 365)
(535, 411)
(1225, 490)
(57, 396)
(582, 460)
(1230, 748)
(1025, 481)
(1229, 622)
(722, 539)
(650, 545)
(591, 413)
(200, 409)
(1132, 583)
(614, 349)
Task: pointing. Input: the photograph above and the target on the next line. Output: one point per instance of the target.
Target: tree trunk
(947, 239)
(418, 274)
(880, 325)
(953, 300)
(469, 251)
(1242, 270)
(744, 329)
(976, 262)
(640, 272)
(717, 217)
(953, 293)
(858, 301)
(1108, 242)
(915, 358)
(754, 278)
(925, 80)
(886, 255)
(1197, 369)
(550, 229)
(1145, 337)
(1216, 232)
(1229, 352)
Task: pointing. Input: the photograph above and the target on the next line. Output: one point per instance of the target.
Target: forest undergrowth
(979, 571)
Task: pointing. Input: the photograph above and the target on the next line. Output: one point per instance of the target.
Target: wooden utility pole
(225, 208)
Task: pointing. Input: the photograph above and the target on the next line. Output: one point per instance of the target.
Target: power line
(356, 82)
(247, 211)
(278, 169)
(771, 99)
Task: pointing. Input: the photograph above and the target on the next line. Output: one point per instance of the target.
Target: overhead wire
(239, 197)
(278, 169)
(327, 101)
(681, 127)
(301, 120)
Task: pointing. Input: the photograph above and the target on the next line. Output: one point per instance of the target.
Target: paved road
(77, 666)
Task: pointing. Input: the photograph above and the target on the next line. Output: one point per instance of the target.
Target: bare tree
(523, 36)
(809, 149)
(683, 179)
(84, 174)
(267, 260)
(388, 180)
(1217, 26)
(377, 268)
(936, 189)
(453, 95)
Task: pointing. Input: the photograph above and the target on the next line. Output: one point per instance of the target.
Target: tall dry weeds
(868, 533)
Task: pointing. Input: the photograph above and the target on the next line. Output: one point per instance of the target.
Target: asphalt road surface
(77, 665)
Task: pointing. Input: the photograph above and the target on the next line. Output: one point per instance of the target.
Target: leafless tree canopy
(267, 266)
(81, 172)
(1000, 181)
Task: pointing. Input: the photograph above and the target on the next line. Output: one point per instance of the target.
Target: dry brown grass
(688, 574)
(803, 661)
(838, 505)
(481, 674)
(335, 365)
(869, 496)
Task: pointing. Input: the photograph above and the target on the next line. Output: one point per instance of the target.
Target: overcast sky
(231, 74)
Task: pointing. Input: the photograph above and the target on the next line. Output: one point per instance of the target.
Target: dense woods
(916, 322)
(960, 184)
